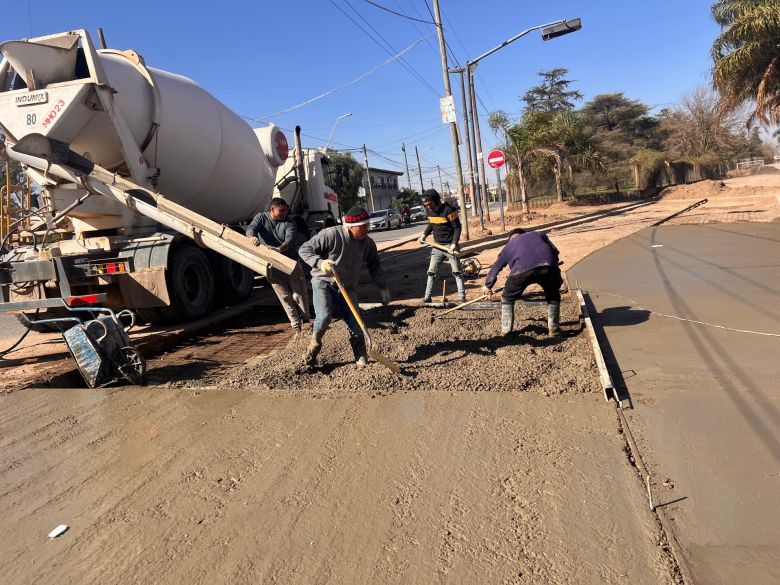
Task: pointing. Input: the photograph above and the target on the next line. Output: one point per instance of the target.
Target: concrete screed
(704, 382)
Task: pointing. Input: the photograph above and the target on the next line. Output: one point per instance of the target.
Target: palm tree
(746, 56)
(500, 124)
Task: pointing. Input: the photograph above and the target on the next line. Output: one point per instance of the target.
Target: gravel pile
(463, 351)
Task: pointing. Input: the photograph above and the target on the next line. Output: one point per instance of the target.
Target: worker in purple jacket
(532, 259)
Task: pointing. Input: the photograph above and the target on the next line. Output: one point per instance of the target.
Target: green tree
(407, 198)
(552, 94)
(746, 57)
(348, 177)
(620, 125)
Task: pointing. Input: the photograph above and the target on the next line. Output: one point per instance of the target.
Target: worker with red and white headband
(344, 248)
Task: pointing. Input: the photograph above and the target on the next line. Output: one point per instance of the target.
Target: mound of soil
(763, 170)
(463, 351)
(700, 190)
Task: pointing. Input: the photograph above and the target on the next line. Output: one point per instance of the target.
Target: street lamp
(550, 30)
(336, 123)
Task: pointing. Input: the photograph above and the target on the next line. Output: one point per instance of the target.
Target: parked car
(386, 219)
(418, 213)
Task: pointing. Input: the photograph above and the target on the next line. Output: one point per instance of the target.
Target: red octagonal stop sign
(496, 159)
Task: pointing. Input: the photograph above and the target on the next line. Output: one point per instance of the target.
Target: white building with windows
(384, 187)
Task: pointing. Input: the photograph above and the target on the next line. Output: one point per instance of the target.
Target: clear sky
(262, 57)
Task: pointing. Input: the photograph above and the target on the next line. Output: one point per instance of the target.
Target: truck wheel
(234, 282)
(190, 285)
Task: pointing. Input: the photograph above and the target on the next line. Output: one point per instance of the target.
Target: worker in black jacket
(444, 223)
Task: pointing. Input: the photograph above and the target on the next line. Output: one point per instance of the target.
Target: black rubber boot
(507, 318)
(554, 319)
(359, 350)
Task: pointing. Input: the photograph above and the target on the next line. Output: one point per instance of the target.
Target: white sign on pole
(447, 107)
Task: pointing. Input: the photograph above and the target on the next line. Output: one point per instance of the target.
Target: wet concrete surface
(692, 320)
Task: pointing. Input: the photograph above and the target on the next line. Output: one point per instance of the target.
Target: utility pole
(453, 126)
(419, 171)
(478, 142)
(476, 194)
(406, 161)
(368, 179)
(472, 190)
(441, 185)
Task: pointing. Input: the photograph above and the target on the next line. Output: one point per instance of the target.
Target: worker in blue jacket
(532, 259)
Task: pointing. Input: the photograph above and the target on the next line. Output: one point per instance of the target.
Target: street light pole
(550, 31)
(461, 71)
(476, 195)
(336, 123)
(453, 125)
(478, 139)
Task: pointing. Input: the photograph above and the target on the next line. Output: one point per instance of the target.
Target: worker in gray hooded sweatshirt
(345, 248)
(276, 229)
(532, 259)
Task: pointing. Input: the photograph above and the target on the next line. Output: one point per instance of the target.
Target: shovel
(386, 362)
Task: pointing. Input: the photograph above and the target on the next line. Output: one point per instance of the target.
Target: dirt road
(216, 481)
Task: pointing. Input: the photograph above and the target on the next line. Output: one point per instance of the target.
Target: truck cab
(307, 183)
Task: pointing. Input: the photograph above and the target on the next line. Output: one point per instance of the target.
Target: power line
(397, 13)
(386, 42)
(334, 90)
(373, 38)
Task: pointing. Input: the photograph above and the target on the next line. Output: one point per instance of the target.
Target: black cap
(431, 195)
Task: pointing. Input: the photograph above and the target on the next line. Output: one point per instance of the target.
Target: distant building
(384, 187)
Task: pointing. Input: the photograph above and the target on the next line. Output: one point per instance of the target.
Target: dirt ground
(487, 461)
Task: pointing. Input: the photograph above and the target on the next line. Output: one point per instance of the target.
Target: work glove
(256, 241)
(385, 296)
(327, 266)
(421, 240)
(486, 290)
(454, 248)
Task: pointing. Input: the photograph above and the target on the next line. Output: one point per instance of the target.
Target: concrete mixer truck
(146, 181)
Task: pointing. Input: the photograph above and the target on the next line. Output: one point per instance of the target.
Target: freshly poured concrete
(706, 397)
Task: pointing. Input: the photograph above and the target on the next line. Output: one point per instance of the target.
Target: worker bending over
(444, 223)
(344, 248)
(532, 259)
(277, 230)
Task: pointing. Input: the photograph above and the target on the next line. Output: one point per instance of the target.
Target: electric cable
(409, 67)
(397, 13)
(389, 51)
(340, 87)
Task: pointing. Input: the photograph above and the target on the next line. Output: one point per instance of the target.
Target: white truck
(147, 180)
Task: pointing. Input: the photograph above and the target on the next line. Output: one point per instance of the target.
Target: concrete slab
(692, 318)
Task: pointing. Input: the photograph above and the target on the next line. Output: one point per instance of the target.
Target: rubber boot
(429, 288)
(359, 350)
(554, 319)
(313, 350)
(507, 318)
(461, 287)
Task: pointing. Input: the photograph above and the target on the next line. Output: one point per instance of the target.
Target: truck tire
(190, 285)
(234, 282)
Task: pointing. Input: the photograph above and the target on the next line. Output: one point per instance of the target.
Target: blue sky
(262, 57)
